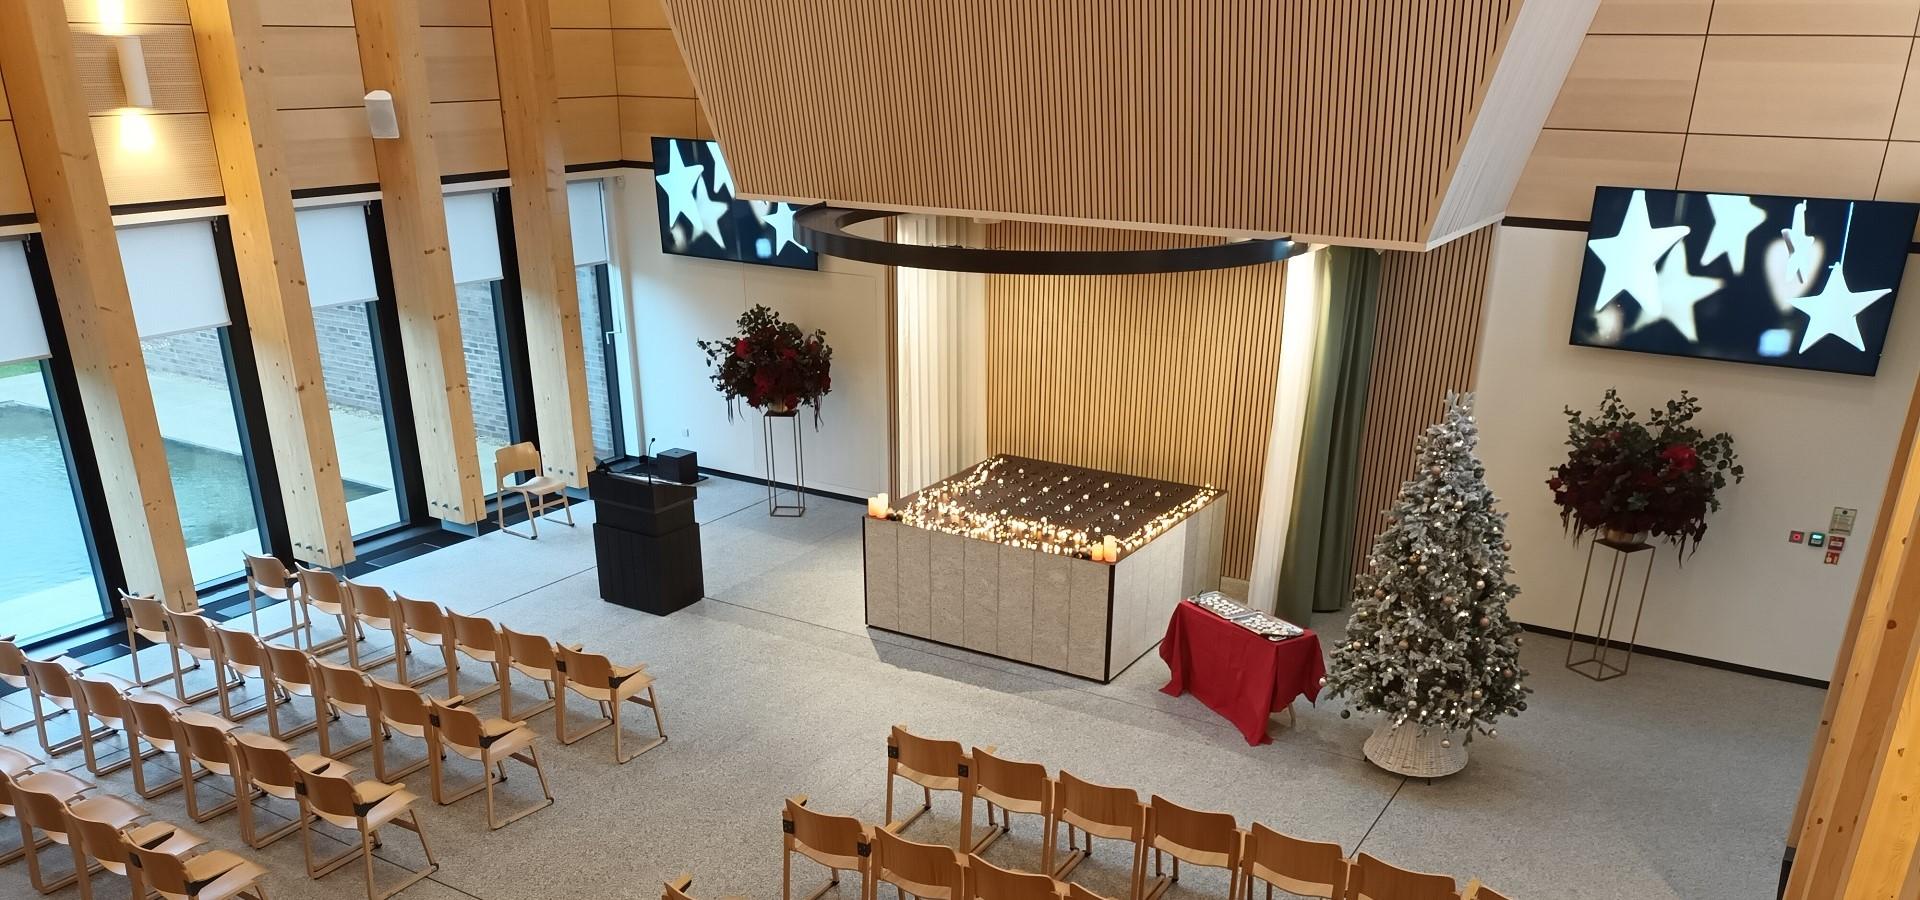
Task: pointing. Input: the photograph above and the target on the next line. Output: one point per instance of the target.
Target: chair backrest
(1374, 879)
(402, 706)
(371, 602)
(159, 870)
(267, 761)
(291, 665)
(837, 841)
(986, 881)
(243, 649)
(927, 871)
(1306, 868)
(474, 632)
(148, 614)
(39, 809)
(1200, 838)
(104, 700)
(205, 736)
(152, 715)
(51, 679)
(514, 459)
(457, 725)
(1098, 809)
(268, 572)
(1477, 891)
(1076, 892)
(928, 756)
(96, 838)
(532, 654)
(332, 795)
(192, 630)
(322, 588)
(589, 670)
(344, 684)
(422, 617)
(1024, 785)
(13, 664)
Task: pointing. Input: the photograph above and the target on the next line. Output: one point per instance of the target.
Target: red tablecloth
(1237, 673)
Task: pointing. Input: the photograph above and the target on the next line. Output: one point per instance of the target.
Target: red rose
(1681, 456)
(740, 347)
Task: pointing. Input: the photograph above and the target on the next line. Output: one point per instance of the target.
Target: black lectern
(646, 542)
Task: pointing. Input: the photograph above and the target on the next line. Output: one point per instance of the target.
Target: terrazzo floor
(1677, 782)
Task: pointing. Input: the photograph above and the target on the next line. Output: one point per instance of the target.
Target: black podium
(646, 542)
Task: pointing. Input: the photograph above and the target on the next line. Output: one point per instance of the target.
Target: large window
(473, 238)
(598, 326)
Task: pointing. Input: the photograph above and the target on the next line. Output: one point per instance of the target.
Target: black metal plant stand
(1598, 663)
(775, 505)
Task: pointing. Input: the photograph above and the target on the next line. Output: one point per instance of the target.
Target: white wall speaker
(381, 119)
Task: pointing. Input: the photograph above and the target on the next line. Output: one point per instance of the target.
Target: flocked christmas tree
(1430, 643)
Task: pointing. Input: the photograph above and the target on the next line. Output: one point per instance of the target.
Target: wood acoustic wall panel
(328, 147)
(314, 67)
(1815, 16)
(1652, 17)
(1426, 341)
(1800, 86)
(178, 164)
(1808, 167)
(469, 137)
(582, 13)
(132, 12)
(1906, 118)
(583, 62)
(1630, 83)
(639, 14)
(335, 13)
(460, 64)
(1318, 118)
(1567, 165)
(14, 199)
(1161, 376)
(641, 118)
(5, 113)
(590, 129)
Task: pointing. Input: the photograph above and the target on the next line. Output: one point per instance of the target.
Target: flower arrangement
(1661, 476)
(771, 364)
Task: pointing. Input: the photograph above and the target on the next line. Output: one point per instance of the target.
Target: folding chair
(934, 765)
(837, 842)
(489, 742)
(596, 678)
(363, 807)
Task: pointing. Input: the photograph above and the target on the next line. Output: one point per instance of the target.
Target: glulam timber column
(416, 218)
(266, 246)
(543, 236)
(70, 201)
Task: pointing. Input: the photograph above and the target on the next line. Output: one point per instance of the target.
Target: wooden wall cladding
(1162, 376)
(1426, 341)
(172, 71)
(14, 199)
(1324, 119)
(657, 96)
(1755, 96)
(180, 164)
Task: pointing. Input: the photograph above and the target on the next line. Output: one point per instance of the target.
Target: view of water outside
(46, 579)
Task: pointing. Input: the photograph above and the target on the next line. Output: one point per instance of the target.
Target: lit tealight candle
(877, 506)
(1112, 544)
(1098, 552)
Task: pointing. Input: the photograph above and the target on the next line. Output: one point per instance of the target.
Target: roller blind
(473, 238)
(173, 275)
(333, 244)
(589, 214)
(22, 335)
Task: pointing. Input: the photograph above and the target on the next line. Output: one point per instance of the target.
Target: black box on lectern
(677, 465)
(646, 542)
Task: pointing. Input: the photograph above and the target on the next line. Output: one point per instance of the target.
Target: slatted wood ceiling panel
(1426, 339)
(1162, 376)
(1319, 118)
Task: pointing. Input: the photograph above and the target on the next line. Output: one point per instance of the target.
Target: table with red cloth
(1236, 673)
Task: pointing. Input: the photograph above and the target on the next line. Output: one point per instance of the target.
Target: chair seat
(1010, 804)
(13, 763)
(119, 684)
(164, 837)
(196, 717)
(172, 703)
(538, 485)
(321, 765)
(109, 809)
(59, 784)
(222, 874)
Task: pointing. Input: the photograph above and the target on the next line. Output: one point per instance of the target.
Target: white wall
(942, 322)
(1810, 441)
(676, 300)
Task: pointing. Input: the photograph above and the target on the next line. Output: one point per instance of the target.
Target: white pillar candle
(877, 506)
(1113, 549)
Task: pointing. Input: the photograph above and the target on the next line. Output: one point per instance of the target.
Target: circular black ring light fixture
(824, 230)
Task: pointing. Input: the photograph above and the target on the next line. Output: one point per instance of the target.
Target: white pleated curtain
(173, 276)
(22, 335)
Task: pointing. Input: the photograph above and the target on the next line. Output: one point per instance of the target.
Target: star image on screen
(701, 215)
(1785, 281)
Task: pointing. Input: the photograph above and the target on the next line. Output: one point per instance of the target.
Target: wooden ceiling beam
(231, 50)
(70, 201)
(416, 222)
(543, 236)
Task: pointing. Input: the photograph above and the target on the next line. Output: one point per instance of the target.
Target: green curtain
(1315, 572)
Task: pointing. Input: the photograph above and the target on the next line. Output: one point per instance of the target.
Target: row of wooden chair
(1158, 828)
(106, 833)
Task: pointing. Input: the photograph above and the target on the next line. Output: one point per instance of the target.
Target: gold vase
(1621, 536)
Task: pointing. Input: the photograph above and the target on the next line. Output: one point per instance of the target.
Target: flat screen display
(700, 216)
(1783, 281)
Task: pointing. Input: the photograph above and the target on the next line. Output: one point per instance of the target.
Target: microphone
(651, 462)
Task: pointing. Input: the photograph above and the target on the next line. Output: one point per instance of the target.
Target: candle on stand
(877, 506)
(1113, 548)
(1098, 552)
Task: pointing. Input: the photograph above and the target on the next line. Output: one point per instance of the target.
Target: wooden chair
(193, 635)
(677, 889)
(97, 844)
(1076, 892)
(837, 842)
(268, 577)
(489, 742)
(596, 678)
(244, 655)
(46, 812)
(345, 691)
(986, 881)
(1374, 879)
(51, 684)
(1098, 810)
(213, 875)
(293, 676)
(147, 618)
(1477, 891)
(267, 764)
(924, 871)
(320, 591)
(426, 621)
(19, 771)
(373, 608)
(202, 738)
(150, 721)
(1206, 839)
(934, 765)
(363, 807)
(479, 639)
(405, 710)
(1011, 787)
(537, 658)
(537, 491)
(13, 673)
(1301, 868)
(103, 698)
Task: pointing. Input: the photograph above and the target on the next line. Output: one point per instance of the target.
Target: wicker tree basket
(1415, 751)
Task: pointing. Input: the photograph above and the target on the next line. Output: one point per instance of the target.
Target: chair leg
(193, 800)
(532, 761)
(651, 703)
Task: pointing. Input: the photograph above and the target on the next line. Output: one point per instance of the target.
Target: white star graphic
(706, 217)
(1630, 255)
(780, 219)
(1680, 289)
(1734, 219)
(1800, 247)
(1835, 311)
(680, 182)
(722, 176)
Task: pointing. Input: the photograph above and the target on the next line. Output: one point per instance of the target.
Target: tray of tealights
(1050, 507)
(1269, 627)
